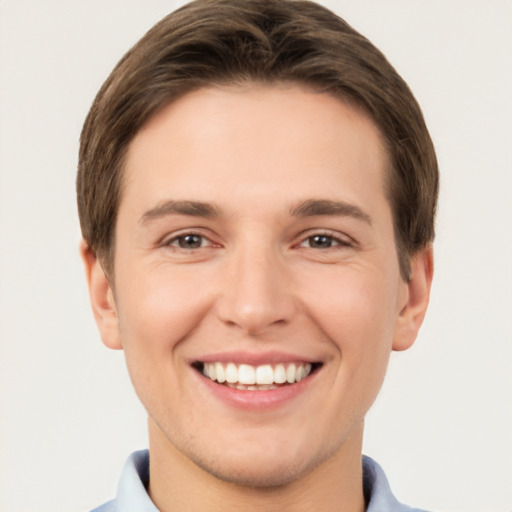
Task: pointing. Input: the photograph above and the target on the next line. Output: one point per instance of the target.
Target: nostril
(256, 299)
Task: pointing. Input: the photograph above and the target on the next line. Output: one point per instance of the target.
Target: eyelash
(174, 242)
(333, 240)
(336, 241)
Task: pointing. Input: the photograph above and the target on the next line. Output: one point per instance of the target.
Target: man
(257, 191)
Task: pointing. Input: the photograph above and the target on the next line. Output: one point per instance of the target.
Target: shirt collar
(132, 495)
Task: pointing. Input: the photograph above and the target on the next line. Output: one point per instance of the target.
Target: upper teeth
(264, 374)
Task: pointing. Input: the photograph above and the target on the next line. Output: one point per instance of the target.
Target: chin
(256, 477)
(259, 470)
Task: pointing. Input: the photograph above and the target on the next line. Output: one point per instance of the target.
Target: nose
(256, 291)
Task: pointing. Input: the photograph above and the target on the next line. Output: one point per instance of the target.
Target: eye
(189, 241)
(323, 241)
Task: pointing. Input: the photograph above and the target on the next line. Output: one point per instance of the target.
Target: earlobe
(413, 311)
(102, 298)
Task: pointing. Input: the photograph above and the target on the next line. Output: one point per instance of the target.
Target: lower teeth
(244, 387)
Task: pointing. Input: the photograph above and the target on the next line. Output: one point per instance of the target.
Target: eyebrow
(307, 208)
(170, 207)
(313, 207)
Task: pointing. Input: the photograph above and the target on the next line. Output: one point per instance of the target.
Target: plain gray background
(68, 416)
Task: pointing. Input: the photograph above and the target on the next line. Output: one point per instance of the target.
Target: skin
(257, 284)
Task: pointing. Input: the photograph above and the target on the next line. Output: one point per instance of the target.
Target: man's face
(255, 243)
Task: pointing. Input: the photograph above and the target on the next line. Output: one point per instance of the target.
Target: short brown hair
(215, 42)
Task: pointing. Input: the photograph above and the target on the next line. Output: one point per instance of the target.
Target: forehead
(260, 136)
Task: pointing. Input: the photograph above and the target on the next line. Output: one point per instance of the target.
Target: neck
(177, 484)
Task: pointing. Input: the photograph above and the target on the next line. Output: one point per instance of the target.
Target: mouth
(263, 377)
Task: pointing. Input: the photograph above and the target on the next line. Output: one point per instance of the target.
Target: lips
(256, 378)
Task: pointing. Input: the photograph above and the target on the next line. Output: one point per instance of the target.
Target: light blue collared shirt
(132, 495)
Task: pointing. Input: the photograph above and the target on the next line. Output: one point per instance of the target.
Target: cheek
(157, 313)
(354, 306)
(358, 316)
(158, 309)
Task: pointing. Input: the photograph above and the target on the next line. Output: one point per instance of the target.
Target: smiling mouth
(256, 378)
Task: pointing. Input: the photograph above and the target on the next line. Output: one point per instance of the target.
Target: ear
(415, 301)
(102, 298)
